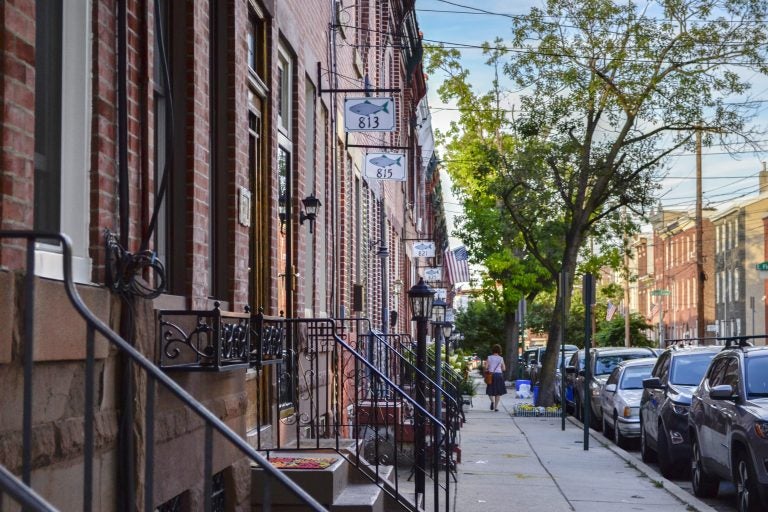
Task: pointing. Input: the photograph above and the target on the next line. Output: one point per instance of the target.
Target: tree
(611, 332)
(609, 91)
(481, 325)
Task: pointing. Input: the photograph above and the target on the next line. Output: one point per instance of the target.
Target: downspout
(125, 470)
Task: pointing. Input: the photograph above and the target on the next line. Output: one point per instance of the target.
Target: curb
(669, 486)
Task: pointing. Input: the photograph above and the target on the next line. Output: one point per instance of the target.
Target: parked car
(533, 367)
(728, 424)
(620, 399)
(573, 366)
(603, 361)
(665, 404)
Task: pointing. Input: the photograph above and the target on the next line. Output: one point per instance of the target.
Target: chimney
(764, 180)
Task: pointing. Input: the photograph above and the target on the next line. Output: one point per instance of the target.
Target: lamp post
(421, 297)
(438, 318)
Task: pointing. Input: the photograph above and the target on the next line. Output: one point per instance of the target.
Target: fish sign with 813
(385, 166)
(369, 114)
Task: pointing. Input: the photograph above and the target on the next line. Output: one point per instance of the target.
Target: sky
(725, 177)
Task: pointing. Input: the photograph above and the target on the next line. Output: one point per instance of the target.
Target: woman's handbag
(488, 378)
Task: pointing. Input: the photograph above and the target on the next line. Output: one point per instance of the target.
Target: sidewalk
(512, 463)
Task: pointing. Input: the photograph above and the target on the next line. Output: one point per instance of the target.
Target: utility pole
(700, 321)
(627, 341)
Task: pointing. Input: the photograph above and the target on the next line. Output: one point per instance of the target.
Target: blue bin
(535, 394)
(518, 382)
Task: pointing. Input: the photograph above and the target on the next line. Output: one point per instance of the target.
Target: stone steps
(341, 487)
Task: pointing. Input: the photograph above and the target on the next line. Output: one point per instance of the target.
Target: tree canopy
(606, 92)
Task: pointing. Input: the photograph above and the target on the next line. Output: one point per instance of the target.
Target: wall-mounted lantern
(311, 204)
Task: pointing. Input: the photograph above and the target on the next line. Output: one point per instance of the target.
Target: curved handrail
(157, 374)
(25, 496)
(415, 368)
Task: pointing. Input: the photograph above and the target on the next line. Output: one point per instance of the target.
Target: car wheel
(606, 429)
(665, 462)
(646, 453)
(704, 484)
(747, 495)
(618, 437)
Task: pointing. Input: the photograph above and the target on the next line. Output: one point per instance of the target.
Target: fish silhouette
(367, 108)
(385, 161)
(421, 246)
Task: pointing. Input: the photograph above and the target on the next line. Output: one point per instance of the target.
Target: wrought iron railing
(332, 393)
(22, 494)
(155, 377)
(204, 340)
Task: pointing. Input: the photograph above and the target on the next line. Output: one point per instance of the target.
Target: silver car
(620, 399)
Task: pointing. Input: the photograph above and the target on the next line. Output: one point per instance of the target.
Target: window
(62, 133)
(284, 95)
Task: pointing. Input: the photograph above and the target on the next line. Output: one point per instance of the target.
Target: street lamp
(311, 204)
(421, 297)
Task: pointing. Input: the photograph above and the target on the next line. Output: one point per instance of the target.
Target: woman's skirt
(496, 387)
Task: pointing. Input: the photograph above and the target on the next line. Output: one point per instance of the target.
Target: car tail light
(761, 429)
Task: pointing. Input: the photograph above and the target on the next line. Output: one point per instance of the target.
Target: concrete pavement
(515, 463)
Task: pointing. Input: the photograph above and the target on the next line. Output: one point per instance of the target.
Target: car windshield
(689, 369)
(634, 375)
(757, 377)
(605, 364)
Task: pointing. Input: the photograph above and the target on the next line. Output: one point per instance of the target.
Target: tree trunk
(511, 348)
(552, 354)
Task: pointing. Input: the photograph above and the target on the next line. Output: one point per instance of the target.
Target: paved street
(528, 463)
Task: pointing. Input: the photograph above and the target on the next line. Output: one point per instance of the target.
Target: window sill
(50, 264)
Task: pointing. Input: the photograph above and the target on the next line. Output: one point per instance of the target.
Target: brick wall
(17, 123)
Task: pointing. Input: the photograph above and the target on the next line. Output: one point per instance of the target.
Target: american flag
(654, 310)
(610, 311)
(456, 264)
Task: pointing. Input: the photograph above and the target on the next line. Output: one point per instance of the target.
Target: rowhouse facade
(195, 154)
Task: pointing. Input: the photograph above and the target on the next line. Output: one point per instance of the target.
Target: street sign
(762, 266)
(369, 114)
(385, 166)
(423, 249)
(433, 274)
(664, 293)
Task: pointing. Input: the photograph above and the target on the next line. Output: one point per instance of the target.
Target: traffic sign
(664, 293)
(762, 266)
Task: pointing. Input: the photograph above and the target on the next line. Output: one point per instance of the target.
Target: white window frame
(285, 91)
(75, 147)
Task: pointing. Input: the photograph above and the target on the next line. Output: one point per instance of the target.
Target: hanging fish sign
(369, 114)
(385, 166)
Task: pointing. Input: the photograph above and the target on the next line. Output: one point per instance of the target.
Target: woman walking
(495, 365)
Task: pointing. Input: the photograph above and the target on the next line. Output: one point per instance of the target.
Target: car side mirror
(610, 388)
(652, 383)
(582, 373)
(722, 392)
(570, 369)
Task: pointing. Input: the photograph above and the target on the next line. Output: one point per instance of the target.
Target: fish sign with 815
(369, 114)
(385, 166)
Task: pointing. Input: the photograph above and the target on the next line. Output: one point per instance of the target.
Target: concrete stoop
(341, 487)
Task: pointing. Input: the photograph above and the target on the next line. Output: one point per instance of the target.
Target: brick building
(179, 145)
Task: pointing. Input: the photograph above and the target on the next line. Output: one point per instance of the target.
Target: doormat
(301, 462)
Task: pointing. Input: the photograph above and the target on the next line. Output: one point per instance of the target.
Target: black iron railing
(333, 393)
(21, 493)
(204, 340)
(154, 377)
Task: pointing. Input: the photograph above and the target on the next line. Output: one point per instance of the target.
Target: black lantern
(447, 329)
(438, 311)
(421, 297)
(311, 204)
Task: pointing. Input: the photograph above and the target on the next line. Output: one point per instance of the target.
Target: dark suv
(728, 425)
(536, 356)
(603, 361)
(665, 404)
